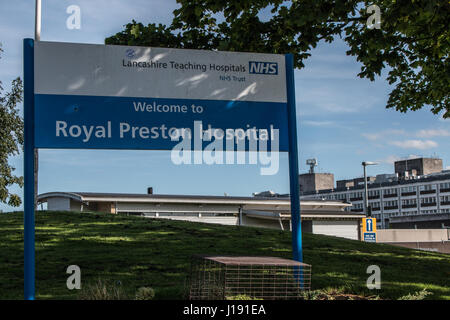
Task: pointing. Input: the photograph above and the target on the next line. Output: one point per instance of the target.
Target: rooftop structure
(417, 167)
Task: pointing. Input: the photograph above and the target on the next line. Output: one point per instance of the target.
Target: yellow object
(369, 229)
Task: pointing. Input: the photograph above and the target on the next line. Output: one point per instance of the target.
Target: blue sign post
(29, 201)
(118, 97)
(293, 162)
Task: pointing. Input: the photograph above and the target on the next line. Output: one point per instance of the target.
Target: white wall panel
(339, 228)
(58, 204)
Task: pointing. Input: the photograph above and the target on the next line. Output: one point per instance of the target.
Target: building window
(445, 186)
(341, 196)
(428, 211)
(428, 187)
(358, 206)
(355, 196)
(374, 193)
(445, 200)
(389, 205)
(392, 191)
(429, 201)
(409, 202)
(409, 189)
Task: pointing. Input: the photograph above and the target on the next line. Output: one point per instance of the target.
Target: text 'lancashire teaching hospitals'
(184, 66)
(254, 67)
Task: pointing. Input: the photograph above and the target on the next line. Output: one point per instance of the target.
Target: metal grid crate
(228, 277)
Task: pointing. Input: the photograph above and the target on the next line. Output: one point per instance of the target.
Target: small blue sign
(370, 237)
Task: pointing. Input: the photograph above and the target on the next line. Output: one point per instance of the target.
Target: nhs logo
(259, 67)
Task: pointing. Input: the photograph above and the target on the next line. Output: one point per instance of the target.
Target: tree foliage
(412, 43)
(11, 140)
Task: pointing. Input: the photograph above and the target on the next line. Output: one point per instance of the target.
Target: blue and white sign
(121, 97)
(370, 237)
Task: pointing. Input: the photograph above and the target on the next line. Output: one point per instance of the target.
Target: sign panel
(116, 97)
(369, 229)
(121, 97)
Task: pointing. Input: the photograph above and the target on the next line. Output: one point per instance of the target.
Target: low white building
(317, 216)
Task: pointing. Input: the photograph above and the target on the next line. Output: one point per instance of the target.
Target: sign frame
(29, 165)
(369, 234)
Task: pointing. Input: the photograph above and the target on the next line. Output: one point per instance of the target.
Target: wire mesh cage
(231, 277)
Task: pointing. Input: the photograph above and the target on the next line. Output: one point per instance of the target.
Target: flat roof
(172, 198)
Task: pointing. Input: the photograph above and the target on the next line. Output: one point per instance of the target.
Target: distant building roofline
(372, 185)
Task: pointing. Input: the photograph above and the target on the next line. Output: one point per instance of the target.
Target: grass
(134, 252)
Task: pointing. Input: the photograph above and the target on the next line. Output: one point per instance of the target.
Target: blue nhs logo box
(261, 67)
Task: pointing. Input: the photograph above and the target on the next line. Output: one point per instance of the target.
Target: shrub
(334, 294)
(145, 293)
(419, 295)
(241, 297)
(102, 290)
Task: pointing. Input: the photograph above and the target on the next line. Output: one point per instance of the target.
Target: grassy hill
(138, 252)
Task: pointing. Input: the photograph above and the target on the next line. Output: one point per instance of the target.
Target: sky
(341, 119)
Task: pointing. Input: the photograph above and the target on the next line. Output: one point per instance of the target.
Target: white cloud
(415, 144)
(330, 71)
(389, 159)
(382, 134)
(322, 100)
(433, 133)
(393, 158)
(158, 11)
(313, 123)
